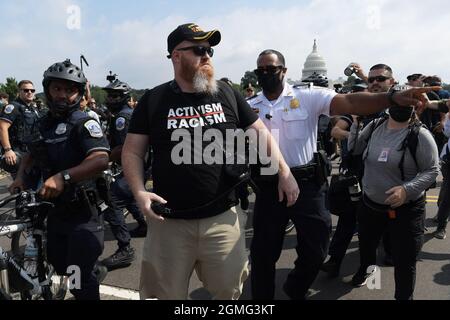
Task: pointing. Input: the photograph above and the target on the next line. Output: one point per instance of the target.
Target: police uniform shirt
(294, 116)
(70, 141)
(13, 114)
(119, 126)
(187, 185)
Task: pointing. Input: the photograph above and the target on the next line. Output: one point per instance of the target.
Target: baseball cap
(191, 32)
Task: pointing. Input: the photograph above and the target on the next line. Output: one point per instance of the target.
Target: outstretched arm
(377, 102)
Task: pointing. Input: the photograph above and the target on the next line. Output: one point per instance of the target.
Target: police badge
(120, 123)
(9, 109)
(61, 129)
(295, 104)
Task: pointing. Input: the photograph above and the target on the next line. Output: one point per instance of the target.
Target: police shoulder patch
(94, 129)
(9, 109)
(120, 123)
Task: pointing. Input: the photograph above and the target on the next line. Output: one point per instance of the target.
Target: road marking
(119, 292)
(435, 197)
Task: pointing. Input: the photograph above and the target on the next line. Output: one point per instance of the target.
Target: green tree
(11, 88)
(98, 94)
(250, 77)
(350, 81)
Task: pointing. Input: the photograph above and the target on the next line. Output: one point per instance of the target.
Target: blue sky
(129, 37)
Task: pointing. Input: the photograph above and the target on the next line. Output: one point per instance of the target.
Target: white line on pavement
(119, 292)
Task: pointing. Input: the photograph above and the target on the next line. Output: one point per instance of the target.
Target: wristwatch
(7, 149)
(391, 94)
(66, 176)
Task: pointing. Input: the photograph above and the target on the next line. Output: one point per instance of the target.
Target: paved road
(433, 269)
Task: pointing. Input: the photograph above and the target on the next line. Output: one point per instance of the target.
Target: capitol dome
(315, 63)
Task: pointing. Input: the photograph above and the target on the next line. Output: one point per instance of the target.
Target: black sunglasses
(199, 50)
(268, 69)
(378, 79)
(29, 90)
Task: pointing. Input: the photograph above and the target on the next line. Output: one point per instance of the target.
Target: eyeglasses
(378, 79)
(29, 90)
(268, 69)
(199, 50)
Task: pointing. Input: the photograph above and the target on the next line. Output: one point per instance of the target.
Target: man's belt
(383, 208)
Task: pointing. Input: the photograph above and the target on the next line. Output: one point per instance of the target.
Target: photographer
(393, 199)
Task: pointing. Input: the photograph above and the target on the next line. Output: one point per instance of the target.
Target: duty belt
(305, 172)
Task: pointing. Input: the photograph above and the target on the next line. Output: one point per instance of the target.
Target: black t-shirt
(163, 110)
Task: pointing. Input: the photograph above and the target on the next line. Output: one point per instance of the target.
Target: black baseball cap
(191, 32)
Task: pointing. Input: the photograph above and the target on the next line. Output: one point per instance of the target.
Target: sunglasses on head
(29, 90)
(268, 69)
(199, 50)
(378, 79)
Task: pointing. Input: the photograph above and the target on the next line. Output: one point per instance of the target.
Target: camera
(354, 189)
(160, 209)
(111, 77)
(349, 71)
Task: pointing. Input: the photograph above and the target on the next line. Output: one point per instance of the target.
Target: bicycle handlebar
(9, 199)
(28, 199)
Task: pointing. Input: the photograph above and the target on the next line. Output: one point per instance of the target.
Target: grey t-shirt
(382, 157)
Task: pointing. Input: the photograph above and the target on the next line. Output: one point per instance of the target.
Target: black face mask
(401, 114)
(270, 82)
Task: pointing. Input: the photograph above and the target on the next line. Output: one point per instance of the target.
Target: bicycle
(30, 220)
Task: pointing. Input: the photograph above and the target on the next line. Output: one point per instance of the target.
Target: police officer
(74, 151)
(17, 129)
(118, 95)
(295, 112)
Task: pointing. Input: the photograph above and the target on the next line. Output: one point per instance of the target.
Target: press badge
(384, 156)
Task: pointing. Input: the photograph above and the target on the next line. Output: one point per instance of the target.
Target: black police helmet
(318, 80)
(65, 70)
(11, 168)
(118, 86)
(121, 88)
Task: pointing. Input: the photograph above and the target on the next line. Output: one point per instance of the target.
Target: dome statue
(314, 64)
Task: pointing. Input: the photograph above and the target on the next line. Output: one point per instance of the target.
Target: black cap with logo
(191, 32)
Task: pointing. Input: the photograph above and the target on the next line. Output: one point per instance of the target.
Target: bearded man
(194, 223)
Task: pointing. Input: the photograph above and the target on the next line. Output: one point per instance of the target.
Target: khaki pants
(213, 247)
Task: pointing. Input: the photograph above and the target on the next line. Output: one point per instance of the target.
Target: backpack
(356, 162)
